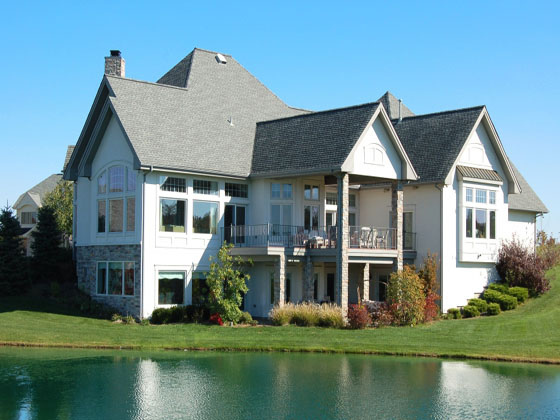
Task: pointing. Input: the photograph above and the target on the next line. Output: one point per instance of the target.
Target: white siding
(522, 227)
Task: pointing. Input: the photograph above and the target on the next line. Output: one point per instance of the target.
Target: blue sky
(317, 55)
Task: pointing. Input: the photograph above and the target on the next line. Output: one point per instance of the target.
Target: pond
(87, 384)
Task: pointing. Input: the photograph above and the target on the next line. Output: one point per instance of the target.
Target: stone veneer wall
(86, 268)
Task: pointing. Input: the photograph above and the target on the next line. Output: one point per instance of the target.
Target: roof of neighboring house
(391, 104)
(207, 127)
(38, 192)
(69, 152)
(309, 143)
(434, 141)
(527, 200)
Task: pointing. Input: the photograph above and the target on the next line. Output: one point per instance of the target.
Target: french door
(234, 224)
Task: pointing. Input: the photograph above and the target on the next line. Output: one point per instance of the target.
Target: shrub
(493, 309)
(405, 295)
(480, 304)
(160, 316)
(129, 319)
(358, 317)
(216, 319)
(470, 311)
(245, 318)
(177, 314)
(116, 318)
(307, 314)
(517, 266)
(507, 302)
(492, 296)
(380, 314)
(548, 250)
(453, 313)
(521, 293)
(145, 321)
(499, 287)
(281, 315)
(330, 316)
(428, 274)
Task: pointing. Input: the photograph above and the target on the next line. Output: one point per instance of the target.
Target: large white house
(327, 204)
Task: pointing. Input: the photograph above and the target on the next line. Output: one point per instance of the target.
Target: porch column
(397, 205)
(365, 283)
(280, 280)
(341, 289)
(307, 279)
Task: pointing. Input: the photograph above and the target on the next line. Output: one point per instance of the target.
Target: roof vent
(221, 59)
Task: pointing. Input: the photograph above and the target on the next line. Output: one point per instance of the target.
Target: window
(101, 213)
(408, 235)
(288, 290)
(281, 214)
(352, 200)
(236, 190)
(130, 214)
(116, 179)
(199, 288)
(205, 187)
(275, 191)
(28, 218)
(332, 198)
(468, 195)
(172, 215)
(315, 285)
(130, 180)
(480, 227)
(205, 217)
(102, 183)
(311, 192)
(468, 223)
(492, 197)
(171, 287)
(116, 215)
(331, 218)
(272, 288)
(311, 217)
(287, 191)
(481, 196)
(492, 224)
(115, 278)
(172, 184)
(352, 219)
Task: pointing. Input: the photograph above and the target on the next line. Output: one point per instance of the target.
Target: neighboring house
(326, 204)
(27, 207)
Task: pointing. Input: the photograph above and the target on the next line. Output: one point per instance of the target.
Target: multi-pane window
(281, 191)
(480, 218)
(275, 191)
(201, 186)
(311, 192)
(352, 200)
(172, 215)
(205, 217)
(173, 184)
(115, 278)
(116, 212)
(352, 219)
(236, 190)
(281, 214)
(171, 287)
(116, 179)
(332, 198)
(286, 191)
(28, 218)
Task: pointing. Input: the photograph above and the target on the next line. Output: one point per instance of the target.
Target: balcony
(272, 235)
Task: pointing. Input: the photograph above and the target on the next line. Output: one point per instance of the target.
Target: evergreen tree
(13, 265)
(46, 246)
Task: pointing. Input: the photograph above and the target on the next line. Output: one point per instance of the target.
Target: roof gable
(391, 104)
(310, 143)
(527, 199)
(37, 192)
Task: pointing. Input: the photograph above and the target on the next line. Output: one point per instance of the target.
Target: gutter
(440, 242)
(142, 243)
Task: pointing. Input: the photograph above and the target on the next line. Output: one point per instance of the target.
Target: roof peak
(310, 113)
(451, 111)
(128, 79)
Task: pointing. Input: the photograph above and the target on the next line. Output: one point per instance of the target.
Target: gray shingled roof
(309, 143)
(391, 104)
(190, 129)
(69, 152)
(179, 74)
(479, 173)
(41, 189)
(433, 141)
(527, 200)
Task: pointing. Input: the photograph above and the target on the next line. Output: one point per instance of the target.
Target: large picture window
(205, 217)
(28, 218)
(171, 287)
(480, 216)
(115, 278)
(172, 215)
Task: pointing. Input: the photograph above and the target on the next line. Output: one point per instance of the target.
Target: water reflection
(37, 384)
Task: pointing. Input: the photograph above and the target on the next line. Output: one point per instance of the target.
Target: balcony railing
(266, 235)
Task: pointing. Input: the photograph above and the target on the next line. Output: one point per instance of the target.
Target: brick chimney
(114, 64)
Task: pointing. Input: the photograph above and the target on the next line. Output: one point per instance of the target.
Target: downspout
(440, 243)
(142, 243)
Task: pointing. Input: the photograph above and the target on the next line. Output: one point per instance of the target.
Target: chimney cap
(115, 53)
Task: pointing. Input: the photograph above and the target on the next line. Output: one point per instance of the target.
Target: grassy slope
(532, 332)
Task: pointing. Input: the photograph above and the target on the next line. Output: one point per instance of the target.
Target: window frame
(127, 192)
(185, 286)
(216, 223)
(481, 198)
(160, 218)
(123, 278)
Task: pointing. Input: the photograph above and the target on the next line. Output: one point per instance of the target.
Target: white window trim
(218, 218)
(187, 285)
(158, 215)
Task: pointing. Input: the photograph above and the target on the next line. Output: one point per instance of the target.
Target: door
(234, 224)
(330, 286)
(408, 236)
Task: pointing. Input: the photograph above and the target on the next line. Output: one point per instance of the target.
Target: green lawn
(530, 333)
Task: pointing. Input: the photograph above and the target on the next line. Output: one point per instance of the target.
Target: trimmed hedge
(506, 302)
(521, 293)
(500, 287)
(470, 311)
(179, 314)
(481, 304)
(493, 309)
(453, 313)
